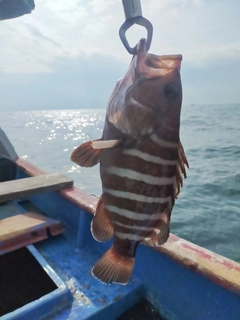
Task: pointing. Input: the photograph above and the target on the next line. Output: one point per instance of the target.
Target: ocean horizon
(207, 211)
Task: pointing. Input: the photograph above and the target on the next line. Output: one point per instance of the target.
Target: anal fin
(160, 233)
(85, 155)
(101, 227)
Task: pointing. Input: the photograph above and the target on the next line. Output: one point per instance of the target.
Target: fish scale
(137, 203)
(141, 162)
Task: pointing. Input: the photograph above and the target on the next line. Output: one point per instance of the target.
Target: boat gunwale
(219, 269)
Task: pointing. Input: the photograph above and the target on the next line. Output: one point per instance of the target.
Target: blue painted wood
(61, 298)
(181, 293)
(84, 236)
(74, 266)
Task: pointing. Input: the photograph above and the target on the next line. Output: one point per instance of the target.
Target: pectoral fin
(105, 144)
(88, 153)
(85, 155)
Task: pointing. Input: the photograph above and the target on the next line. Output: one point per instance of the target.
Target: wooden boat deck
(73, 266)
(19, 230)
(15, 189)
(8, 209)
(182, 280)
(23, 229)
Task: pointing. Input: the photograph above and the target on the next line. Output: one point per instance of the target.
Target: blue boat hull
(180, 279)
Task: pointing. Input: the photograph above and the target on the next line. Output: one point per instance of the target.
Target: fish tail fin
(101, 227)
(113, 268)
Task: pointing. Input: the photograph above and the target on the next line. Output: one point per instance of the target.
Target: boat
(47, 252)
(10, 9)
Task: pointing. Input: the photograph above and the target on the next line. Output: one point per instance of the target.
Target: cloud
(215, 83)
(195, 29)
(73, 83)
(191, 27)
(37, 34)
(87, 82)
(64, 51)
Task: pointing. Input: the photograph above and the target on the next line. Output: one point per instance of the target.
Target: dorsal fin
(85, 155)
(181, 171)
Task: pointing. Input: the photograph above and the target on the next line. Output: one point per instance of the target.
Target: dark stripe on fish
(138, 187)
(131, 210)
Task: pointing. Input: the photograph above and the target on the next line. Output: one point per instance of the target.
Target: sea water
(207, 211)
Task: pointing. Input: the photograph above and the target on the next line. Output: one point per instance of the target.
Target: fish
(142, 162)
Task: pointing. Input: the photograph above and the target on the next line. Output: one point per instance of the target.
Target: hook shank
(132, 8)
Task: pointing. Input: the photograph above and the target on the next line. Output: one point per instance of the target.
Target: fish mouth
(171, 61)
(153, 66)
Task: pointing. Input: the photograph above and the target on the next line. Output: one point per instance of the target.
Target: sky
(68, 55)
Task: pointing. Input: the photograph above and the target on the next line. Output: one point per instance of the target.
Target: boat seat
(24, 229)
(22, 188)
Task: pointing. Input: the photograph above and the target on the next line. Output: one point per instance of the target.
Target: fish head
(151, 88)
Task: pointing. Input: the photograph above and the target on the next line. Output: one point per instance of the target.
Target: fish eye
(170, 90)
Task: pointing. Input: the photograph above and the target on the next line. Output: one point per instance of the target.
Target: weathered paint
(182, 280)
(27, 167)
(219, 269)
(83, 200)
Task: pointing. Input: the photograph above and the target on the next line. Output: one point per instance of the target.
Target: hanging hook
(133, 15)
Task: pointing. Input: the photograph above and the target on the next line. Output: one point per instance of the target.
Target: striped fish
(142, 162)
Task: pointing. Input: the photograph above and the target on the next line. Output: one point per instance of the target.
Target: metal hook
(133, 14)
(127, 24)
